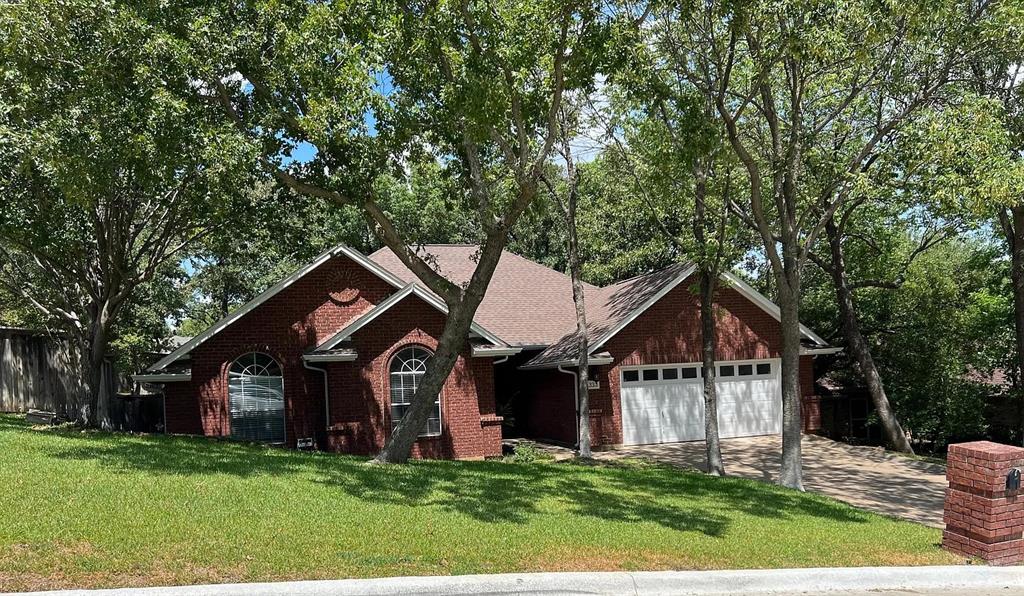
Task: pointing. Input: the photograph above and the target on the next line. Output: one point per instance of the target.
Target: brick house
(330, 356)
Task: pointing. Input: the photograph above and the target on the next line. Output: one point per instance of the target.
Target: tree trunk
(791, 473)
(859, 347)
(583, 368)
(709, 338)
(95, 413)
(1012, 221)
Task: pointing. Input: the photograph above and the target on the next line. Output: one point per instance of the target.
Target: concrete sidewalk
(966, 580)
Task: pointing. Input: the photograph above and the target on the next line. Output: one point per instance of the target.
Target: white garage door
(664, 404)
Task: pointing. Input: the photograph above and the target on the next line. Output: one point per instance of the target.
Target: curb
(693, 583)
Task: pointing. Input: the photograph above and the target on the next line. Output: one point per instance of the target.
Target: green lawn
(96, 510)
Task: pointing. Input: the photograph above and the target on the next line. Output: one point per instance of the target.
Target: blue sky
(303, 153)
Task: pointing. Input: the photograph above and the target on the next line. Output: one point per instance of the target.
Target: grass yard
(99, 510)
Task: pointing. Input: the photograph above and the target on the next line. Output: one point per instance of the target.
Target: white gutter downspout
(576, 394)
(327, 394)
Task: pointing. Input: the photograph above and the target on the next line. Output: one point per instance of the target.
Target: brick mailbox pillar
(983, 518)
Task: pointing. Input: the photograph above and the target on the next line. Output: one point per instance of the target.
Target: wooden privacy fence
(44, 372)
(39, 371)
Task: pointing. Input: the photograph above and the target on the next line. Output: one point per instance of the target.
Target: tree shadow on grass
(181, 456)
(491, 491)
(506, 492)
(11, 422)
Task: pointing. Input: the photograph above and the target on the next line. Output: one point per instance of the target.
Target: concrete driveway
(866, 477)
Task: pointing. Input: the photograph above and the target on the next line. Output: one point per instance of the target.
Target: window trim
(391, 404)
(774, 363)
(284, 399)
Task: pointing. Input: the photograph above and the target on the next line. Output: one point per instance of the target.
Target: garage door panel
(662, 413)
(673, 410)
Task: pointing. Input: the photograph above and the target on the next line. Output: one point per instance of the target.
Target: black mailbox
(1013, 479)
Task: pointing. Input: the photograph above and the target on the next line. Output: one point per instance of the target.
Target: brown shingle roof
(528, 304)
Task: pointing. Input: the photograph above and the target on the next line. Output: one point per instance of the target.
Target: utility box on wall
(984, 509)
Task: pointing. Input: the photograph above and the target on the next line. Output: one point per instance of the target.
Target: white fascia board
(273, 291)
(767, 305)
(162, 378)
(594, 360)
(486, 351)
(685, 273)
(330, 357)
(370, 265)
(387, 303)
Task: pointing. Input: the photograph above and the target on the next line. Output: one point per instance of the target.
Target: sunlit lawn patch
(95, 509)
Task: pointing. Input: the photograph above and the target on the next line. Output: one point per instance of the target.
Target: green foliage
(619, 237)
(960, 159)
(142, 327)
(114, 166)
(527, 452)
(936, 338)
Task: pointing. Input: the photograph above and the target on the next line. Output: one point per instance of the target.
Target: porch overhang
(495, 351)
(599, 359)
(162, 377)
(343, 355)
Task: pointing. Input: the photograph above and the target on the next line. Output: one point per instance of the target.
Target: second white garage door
(665, 403)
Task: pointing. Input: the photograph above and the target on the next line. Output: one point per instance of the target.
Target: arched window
(256, 399)
(406, 370)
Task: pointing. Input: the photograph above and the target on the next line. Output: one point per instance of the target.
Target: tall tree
(998, 75)
(680, 170)
(109, 172)
(806, 92)
(568, 130)
(942, 156)
(376, 86)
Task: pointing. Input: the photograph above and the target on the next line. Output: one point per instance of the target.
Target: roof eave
(820, 351)
(594, 360)
(314, 357)
(162, 378)
(487, 351)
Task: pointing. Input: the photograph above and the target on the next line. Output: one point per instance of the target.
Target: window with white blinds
(256, 399)
(407, 368)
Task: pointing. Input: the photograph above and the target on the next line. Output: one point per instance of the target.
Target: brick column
(810, 410)
(982, 518)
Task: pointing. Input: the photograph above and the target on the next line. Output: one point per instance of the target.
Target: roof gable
(620, 304)
(409, 290)
(526, 303)
(272, 291)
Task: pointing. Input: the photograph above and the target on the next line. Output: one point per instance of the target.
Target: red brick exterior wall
(304, 315)
(810, 409)
(669, 332)
(360, 390)
(983, 519)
